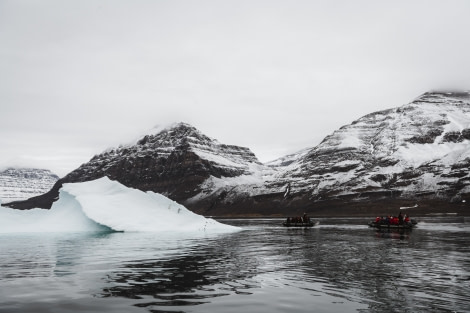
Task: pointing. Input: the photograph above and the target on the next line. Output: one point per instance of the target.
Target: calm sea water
(338, 266)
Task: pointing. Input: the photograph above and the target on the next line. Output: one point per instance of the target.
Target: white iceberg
(105, 205)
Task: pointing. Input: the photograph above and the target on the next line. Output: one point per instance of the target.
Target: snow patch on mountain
(248, 185)
(416, 155)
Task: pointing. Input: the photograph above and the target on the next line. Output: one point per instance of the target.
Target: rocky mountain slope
(416, 153)
(23, 183)
(177, 162)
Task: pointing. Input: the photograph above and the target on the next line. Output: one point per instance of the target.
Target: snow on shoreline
(105, 205)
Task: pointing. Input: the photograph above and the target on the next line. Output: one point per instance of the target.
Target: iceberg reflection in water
(264, 268)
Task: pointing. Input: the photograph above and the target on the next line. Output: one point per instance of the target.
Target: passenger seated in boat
(305, 218)
(295, 219)
(400, 219)
(407, 219)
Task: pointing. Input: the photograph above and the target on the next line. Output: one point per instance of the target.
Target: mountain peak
(182, 129)
(450, 92)
(174, 135)
(176, 126)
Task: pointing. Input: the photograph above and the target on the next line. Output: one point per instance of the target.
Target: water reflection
(309, 259)
(44, 255)
(345, 267)
(213, 268)
(398, 234)
(384, 271)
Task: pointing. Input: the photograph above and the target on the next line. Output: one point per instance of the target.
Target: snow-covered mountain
(23, 183)
(419, 150)
(179, 162)
(175, 162)
(415, 153)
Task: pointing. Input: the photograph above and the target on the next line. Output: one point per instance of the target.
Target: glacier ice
(106, 205)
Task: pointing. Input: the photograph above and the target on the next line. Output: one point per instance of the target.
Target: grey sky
(77, 77)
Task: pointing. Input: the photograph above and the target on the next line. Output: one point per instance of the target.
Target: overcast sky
(77, 77)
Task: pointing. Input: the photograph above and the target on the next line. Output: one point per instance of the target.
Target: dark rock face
(453, 136)
(466, 133)
(429, 137)
(416, 153)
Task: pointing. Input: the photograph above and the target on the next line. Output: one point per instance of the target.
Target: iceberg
(106, 205)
